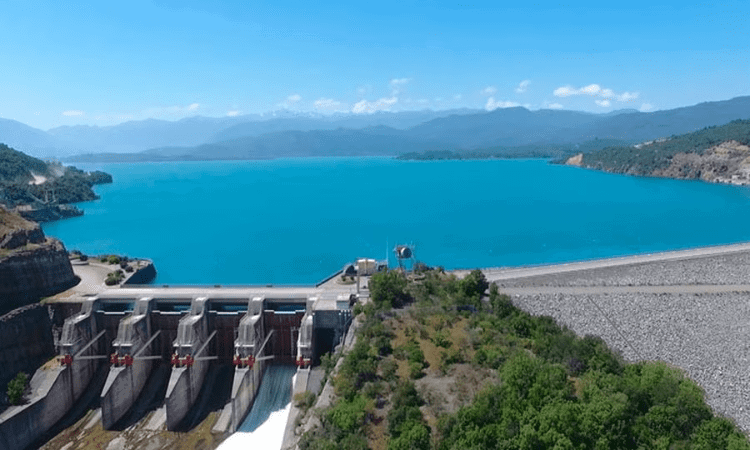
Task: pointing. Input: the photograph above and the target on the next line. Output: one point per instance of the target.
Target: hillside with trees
(33, 184)
(436, 365)
(714, 153)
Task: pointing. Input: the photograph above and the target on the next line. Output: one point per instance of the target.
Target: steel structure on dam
(127, 331)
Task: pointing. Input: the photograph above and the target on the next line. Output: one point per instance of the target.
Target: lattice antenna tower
(405, 254)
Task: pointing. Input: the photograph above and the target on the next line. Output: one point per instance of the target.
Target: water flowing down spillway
(264, 425)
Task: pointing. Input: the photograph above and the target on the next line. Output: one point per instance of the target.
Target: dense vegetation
(68, 184)
(645, 159)
(15, 166)
(539, 385)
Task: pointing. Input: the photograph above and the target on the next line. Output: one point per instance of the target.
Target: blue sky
(102, 63)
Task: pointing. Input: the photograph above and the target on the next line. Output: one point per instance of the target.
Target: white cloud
(457, 97)
(555, 106)
(73, 113)
(628, 96)
(565, 91)
(603, 103)
(398, 85)
(489, 91)
(493, 104)
(294, 98)
(591, 89)
(327, 104)
(234, 113)
(193, 107)
(523, 86)
(594, 90)
(646, 107)
(383, 104)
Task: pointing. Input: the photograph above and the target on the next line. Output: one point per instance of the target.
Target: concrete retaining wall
(21, 425)
(144, 275)
(56, 390)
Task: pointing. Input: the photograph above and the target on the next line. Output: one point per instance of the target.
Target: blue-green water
(298, 220)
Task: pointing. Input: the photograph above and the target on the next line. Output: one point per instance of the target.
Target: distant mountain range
(383, 133)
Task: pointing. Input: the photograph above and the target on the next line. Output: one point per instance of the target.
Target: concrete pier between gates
(131, 363)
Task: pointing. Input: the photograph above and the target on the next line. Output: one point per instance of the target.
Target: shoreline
(524, 271)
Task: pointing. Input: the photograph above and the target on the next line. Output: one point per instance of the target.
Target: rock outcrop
(31, 265)
(576, 160)
(728, 162)
(18, 238)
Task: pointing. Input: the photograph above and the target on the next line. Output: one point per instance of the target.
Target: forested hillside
(17, 167)
(435, 366)
(652, 157)
(26, 180)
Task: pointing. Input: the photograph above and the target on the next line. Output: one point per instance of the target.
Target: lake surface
(296, 221)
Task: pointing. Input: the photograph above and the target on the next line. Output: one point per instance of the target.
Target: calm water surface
(298, 220)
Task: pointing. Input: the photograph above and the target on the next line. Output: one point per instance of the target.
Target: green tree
(16, 388)
(388, 289)
(473, 286)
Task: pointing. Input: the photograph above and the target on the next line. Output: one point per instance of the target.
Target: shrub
(387, 289)
(304, 400)
(501, 304)
(16, 388)
(114, 277)
(113, 259)
(349, 416)
(389, 367)
(415, 370)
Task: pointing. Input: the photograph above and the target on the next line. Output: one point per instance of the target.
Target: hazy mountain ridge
(255, 136)
(510, 132)
(139, 136)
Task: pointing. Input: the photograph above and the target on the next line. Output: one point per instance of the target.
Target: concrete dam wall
(128, 331)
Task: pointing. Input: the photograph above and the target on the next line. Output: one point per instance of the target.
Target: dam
(115, 343)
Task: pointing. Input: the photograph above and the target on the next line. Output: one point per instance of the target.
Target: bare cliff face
(31, 265)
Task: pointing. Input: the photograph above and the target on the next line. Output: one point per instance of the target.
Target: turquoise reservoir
(295, 221)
